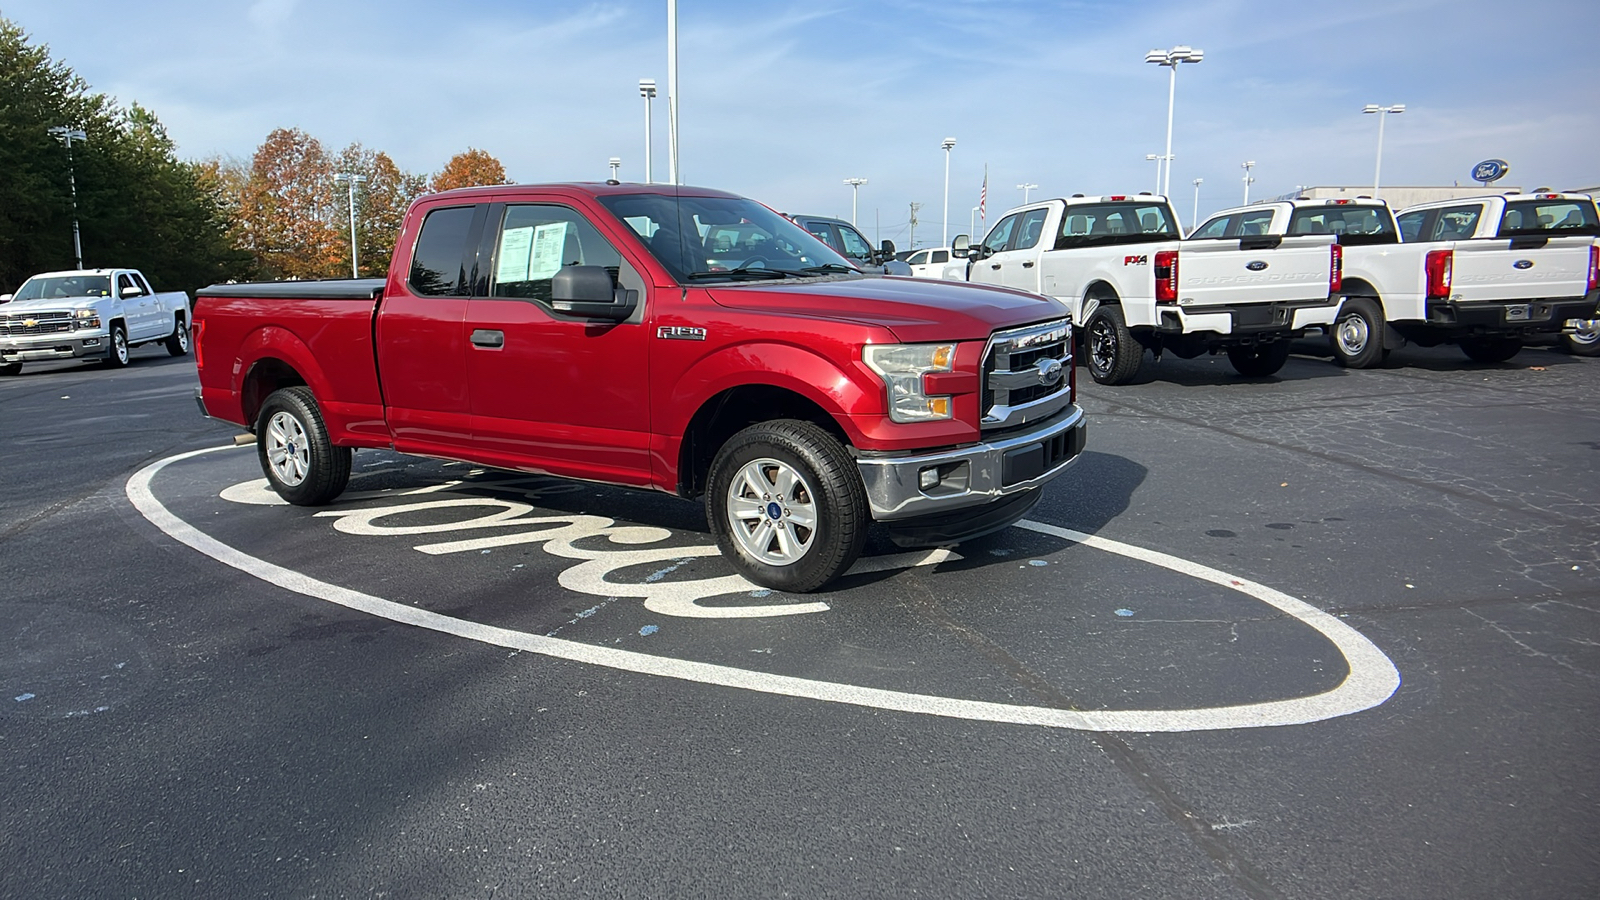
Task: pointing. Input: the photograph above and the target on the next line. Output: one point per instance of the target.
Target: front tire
(1585, 341)
(178, 341)
(10, 369)
(1114, 356)
(787, 505)
(301, 463)
(1357, 335)
(1259, 361)
(117, 357)
(1490, 349)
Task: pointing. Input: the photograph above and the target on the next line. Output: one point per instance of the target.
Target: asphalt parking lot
(1329, 634)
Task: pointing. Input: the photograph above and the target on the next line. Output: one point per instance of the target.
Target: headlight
(901, 366)
(85, 318)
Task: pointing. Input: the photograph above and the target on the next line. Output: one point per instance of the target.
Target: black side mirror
(960, 246)
(887, 250)
(591, 292)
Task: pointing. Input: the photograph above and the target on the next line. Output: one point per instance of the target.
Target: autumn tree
(381, 203)
(287, 213)
(469, 169)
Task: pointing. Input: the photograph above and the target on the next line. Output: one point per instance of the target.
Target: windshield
(1550, 218)
(64, 286)
(709, 239)
(1354, 225)
(1115, 223)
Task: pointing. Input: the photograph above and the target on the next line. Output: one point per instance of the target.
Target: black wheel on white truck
(1114, 355)
(300, 461)
(1357, 334)
(786, 505)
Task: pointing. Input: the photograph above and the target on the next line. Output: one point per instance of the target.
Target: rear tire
(10, 369)
(1259, 361)
(178, 341)
(117, 354)
(1585, 341)
(787, 506)
(1113, 355)
(1490, 349)
(301, 463)
(1357, 335)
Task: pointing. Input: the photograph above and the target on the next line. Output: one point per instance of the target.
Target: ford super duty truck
(1131, 283)
(614, 333)
(91, 314)
(1449, 272)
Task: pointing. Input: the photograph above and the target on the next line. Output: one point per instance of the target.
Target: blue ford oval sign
(1490, 170)
(1255, 265)
(1523, 264)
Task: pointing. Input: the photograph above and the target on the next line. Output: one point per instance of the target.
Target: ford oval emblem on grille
(1255, 265)
(1049, 371)
(1522, 264)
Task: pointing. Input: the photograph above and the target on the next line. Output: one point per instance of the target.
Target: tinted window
(535, 241)
(143, 285)
(917, 258)
(1029, 229)
(1115, 223)
(1456, 223)
(1000, 235)
(708, 238)
(1254, 222)
(1352, 224)
(1411, 225)
(940, 256)
(854, 244)
(1549, 218)
(1215, 229)
(436, 265)
(123, 283)
(824, 234)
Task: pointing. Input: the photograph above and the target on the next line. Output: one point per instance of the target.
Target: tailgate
(1520, 269)
(1262, 269)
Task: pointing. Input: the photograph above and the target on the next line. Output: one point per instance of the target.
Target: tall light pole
(1383, 113)
(1195, 220)
(67, 136)
(1025, 187)
(1171, 58)
(855, 187)
(1248, 179)
(1156, 158)
(672, 88)
(350, 180)
(647, 90)
(972, 225)
(615, 163)
(947, 144)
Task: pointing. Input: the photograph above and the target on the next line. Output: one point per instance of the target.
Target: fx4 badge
(680, 333)
(1136, 260)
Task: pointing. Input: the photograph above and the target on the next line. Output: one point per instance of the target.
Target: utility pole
(67, 135)
(914, 208)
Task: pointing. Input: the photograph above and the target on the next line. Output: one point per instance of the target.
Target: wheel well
(265, 376)
(1357, 287)
(1103, 292)
(727, 413)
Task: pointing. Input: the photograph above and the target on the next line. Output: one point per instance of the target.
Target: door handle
(995, 266)
(1028, 264)
(484, 337)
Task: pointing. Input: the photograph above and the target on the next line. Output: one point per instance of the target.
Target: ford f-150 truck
(1455, 278)
(601, 332)
(1132, 285)
(90, 314)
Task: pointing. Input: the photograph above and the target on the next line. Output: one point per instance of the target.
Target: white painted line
(1371, 681)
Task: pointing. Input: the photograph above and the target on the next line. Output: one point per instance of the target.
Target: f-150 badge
(680, 333)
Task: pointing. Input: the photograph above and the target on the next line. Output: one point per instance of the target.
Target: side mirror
(887, 249)
(960, 246)
(590, 292)
(130, 291)
(6, 298)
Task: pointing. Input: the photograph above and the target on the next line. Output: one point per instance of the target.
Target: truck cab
(848, 241)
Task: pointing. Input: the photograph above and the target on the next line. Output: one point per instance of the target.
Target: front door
(552, 392)
(1019, 262)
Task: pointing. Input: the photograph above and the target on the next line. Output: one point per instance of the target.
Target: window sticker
(515, 244)
(548, 243)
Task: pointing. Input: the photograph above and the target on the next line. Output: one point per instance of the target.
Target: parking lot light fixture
(1182, 53)
(1195, 220)
(350, 180)
(947, 145)
(67, 135)
(1025, 188)
(616, 166)
(1382, 113)
(1248, 179)
(855, 188)
(647, 90)
(1155, 158)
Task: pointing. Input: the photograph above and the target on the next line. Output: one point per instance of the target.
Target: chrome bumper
(54, 346)
(971, 476)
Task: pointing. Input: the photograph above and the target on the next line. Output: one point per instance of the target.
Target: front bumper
(63, 345)
(1247, 318)
(972, 476)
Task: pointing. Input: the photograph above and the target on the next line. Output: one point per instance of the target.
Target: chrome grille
(1027, 374)
(19, 324)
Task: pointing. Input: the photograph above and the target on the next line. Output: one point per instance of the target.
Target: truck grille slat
(1027, 375)
(20, 324)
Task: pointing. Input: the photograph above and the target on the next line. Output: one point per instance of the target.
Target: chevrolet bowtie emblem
(29, 323)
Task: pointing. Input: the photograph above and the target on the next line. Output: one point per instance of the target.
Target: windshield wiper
(742, 273)
(829, 267)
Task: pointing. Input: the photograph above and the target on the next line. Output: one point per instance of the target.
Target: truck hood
(48, 304)
(915, 309)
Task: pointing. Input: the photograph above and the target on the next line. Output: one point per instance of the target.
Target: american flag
(983, 198)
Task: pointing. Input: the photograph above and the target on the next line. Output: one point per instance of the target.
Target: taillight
(1594, 266)
(1336, 273)
(1166, 276)
(195, 327)
(1438, 266)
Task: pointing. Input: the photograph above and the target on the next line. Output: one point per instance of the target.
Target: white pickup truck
(89, 314)
(1132, 285)
(1454, 279)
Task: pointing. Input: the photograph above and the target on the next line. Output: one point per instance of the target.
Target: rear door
(1248, 264)
(553, 392)
(421, 337)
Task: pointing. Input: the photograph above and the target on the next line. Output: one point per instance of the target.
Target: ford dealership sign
(1490, 170)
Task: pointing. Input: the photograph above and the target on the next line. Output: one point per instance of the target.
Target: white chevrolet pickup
(89, 314)
(1132, 285)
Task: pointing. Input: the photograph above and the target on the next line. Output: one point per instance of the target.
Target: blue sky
(782, 101)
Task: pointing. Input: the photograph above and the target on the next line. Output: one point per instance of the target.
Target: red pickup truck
(678, 339)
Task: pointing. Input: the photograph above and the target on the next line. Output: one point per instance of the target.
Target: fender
(841, 393)
(350, 421)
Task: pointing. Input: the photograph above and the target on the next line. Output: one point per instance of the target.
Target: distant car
(847, 241)
(930, 263)
(89, 314)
